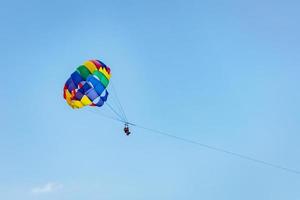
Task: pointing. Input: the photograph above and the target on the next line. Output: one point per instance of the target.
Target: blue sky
(225, 73)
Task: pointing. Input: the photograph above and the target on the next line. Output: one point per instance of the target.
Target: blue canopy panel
(96, 84)
(92, 94)
(75, 76)
(104, 97)
(78, 95)
(70, 85)
(84, 89)
(99, 101)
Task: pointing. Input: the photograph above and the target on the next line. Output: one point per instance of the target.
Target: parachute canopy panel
(87, 85)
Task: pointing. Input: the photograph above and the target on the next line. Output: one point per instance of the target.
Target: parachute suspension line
(119, 102)
(220, 150)
(114, 104)
(114, 111)
(105, 116)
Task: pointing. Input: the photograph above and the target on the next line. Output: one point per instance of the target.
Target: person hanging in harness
(126, 129)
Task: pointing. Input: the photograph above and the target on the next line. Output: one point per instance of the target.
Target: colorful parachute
(87, 85)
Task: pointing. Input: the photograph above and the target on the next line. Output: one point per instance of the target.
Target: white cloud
(47, 188)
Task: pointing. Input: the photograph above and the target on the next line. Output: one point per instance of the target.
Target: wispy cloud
(47, 188)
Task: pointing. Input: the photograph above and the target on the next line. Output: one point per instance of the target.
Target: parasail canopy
(87, 85)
